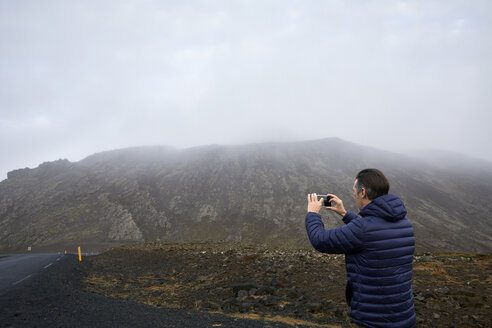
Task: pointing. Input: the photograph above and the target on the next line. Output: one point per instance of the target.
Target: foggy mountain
(252, 193)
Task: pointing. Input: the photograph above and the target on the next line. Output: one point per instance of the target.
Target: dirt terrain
(54, 298)
(295, 286)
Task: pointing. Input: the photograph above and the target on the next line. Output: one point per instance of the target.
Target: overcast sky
(78, 77)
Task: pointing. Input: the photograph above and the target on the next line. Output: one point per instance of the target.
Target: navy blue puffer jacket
(378, 247)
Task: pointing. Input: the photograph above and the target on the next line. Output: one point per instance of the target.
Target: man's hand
(338, 207)
(314, 205)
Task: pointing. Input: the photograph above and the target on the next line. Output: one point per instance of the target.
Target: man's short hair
(374, 182)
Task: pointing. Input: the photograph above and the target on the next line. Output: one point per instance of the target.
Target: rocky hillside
(251, 193)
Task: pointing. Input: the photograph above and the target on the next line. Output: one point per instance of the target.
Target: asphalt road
(18, 268)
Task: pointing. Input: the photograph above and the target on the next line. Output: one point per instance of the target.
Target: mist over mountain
(253, 193)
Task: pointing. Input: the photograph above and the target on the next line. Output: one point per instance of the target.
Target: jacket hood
(388, 207)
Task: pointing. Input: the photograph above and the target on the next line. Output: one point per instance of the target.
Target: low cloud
(81, 77)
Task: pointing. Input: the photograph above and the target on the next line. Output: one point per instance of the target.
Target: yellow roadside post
(80, 255)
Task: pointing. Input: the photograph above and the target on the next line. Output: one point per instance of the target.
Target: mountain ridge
(253, 192)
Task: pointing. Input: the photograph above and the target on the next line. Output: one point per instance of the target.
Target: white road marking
(15, 283)
(48, 265)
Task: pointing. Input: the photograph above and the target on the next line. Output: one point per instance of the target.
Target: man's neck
(364, 204)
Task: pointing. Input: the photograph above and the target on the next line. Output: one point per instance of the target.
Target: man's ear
(363, 193)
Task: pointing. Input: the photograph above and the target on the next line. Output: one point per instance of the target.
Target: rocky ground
(299, 287)
(54, 298)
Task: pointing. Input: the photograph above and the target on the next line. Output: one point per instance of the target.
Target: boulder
(266, 290)
(242, 293)
(269, 300)
(244, 285)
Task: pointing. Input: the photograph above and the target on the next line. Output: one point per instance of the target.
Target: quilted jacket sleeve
(345, 239)
(349, 217)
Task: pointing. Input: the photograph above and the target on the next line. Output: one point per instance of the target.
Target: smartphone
(326, 200)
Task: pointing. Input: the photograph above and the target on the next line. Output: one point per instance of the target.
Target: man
(378, 245)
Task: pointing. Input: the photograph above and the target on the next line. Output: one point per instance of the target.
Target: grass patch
(287, 320)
